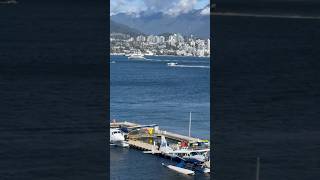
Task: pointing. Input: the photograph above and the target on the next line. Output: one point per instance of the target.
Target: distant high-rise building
(192, 43)
(156, 39)
(150, 39)
(179, 38)
(162, 39)
(141, 38)
(172, 40)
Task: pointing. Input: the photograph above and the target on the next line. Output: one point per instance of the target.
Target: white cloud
(126, 6)
(205, 11)
(171, 7)
(181, 6)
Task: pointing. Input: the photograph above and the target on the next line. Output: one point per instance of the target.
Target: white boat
(179, 169)
(117, 138)
(172, 64)
(149, 53)
(136, 56)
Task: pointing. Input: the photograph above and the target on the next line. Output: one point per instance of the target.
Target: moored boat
(136, 56)
(117, 138)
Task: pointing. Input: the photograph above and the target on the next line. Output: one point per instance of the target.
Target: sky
(170, 7)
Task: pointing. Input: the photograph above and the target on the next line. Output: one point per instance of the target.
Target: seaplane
(117, 138)
(199, 158)
(192, 156)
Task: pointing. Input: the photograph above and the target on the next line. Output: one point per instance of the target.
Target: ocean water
(266, 98)
(148, 92)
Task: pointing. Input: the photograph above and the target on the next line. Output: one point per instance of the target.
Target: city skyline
(173, 44)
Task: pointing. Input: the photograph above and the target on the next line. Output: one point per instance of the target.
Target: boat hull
(120, 143)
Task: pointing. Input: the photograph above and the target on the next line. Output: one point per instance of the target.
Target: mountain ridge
(193, 22)
(124, 29)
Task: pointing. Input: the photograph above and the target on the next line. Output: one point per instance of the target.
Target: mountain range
(124, 29)
(195, 22)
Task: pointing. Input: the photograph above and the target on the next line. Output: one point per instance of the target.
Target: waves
(171, 60)
(183, 61)
(180, 62)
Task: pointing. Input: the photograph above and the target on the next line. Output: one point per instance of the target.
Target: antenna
(258, 168)
(190, 125)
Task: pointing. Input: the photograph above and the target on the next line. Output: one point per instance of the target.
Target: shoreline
(165, 56)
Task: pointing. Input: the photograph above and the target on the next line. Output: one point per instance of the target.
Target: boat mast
(190, 125)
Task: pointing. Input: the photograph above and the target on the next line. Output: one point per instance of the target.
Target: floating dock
(157, 132)
(146, 138)
(142, 146)
(147, 144)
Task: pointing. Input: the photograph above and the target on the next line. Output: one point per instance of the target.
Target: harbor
(149, 92)
(192, 154)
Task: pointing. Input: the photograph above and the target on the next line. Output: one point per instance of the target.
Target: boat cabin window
(193, 153)
(116, 132)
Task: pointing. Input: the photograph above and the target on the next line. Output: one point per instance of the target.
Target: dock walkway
(158, 132)
(143, 146)
(124, 123)
(177, 136)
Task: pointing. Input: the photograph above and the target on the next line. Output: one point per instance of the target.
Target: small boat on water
(136, 56)
(149, 53)
(172, 64)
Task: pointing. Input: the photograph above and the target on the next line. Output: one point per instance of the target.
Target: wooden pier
(143, 146)
(156, 133)
(178, 137)
(124, 123)
(148, 141)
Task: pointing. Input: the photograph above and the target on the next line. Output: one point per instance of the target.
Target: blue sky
(201, 3)
(171, 7)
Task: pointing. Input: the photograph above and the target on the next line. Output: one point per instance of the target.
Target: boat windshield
(193, 153)
(116, 132)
